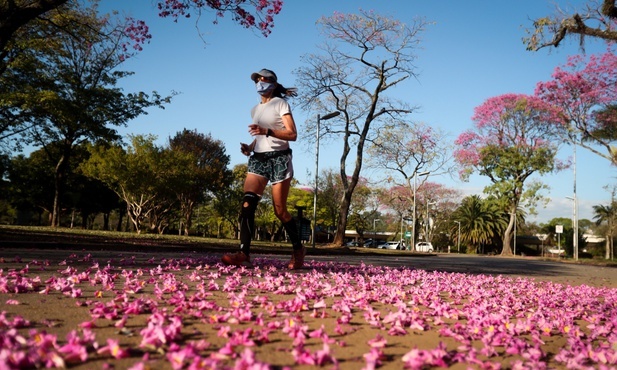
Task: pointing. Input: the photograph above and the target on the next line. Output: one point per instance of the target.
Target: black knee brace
(249, 204)
(247, 220)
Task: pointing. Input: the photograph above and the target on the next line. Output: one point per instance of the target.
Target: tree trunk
(134, 214)
(188, 217)
(55, 211)
(59, 179)
(13, 16)
(339, 236)
(507, 238)
(120, 217)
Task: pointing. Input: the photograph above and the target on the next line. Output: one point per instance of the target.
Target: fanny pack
(269, 155)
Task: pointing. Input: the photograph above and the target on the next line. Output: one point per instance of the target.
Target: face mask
(264, 88)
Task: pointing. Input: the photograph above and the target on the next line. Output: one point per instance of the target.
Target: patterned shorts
(274, 166)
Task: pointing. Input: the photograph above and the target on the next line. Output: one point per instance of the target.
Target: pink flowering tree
(585, 89)
(402, 151)
(512, 140)
(398, 199)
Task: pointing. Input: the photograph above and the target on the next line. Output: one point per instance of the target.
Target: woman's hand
(247, 149)
(255, 130)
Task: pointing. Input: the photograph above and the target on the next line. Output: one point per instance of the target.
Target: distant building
(378, 235)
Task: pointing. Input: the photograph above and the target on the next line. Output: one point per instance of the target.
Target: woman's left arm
(289, 133)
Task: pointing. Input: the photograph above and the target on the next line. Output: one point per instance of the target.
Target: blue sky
(473, 52)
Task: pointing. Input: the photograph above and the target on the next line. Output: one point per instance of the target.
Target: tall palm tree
(606, 214)
(480, 222)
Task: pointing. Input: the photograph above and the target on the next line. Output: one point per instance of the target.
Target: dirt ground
(349, 309)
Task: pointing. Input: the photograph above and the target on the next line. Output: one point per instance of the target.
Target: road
(539, 269)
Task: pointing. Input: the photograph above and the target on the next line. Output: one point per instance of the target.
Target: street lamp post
(375, 232)
(413, 216)
(574, 225)
(575, 206)
(402, 226)
(514, 214)
(326, 117)
(408, 219)
(458, 240)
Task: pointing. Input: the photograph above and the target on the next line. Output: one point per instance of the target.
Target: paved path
(539, 269)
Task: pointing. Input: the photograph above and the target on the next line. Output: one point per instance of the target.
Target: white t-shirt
(269, 115)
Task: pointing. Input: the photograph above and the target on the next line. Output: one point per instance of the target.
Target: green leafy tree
(266, 222)
(481, 222)
(329, 199)
(606, 214)
(227, 201)
(92, 197)
(30, 179)
(301, 199)
(363, 208)
(172, 175)
(567, 237)
(206, 175)
(87, 197)
(15, 14)
(7, 212)
(366, 55)
(550, 229)
(143, 175)
(66, 91)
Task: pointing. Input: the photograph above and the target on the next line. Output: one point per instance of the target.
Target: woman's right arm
(247, 149)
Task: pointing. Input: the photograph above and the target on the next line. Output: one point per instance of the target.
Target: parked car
(392, 245)
(368, 243)
(424, 247)
(381, 244)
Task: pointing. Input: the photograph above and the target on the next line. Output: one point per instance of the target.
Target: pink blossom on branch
(509, 120)
(579, 88)
(137, 31)
(585, 89)
(257, 14)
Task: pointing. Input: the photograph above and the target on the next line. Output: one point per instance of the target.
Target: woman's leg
(254, 186)
(280, 191)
